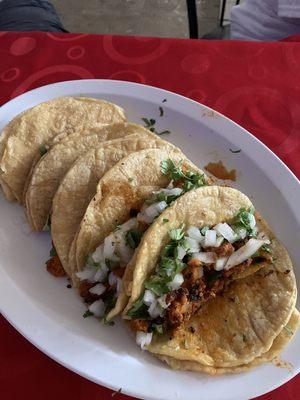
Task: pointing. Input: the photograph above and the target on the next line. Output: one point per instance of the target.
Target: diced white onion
(207, 257)
(110, 248)
(124, 251)
(151, 212)
(210, 238)
(181, 252)
(220, 263)
(143, 339)
(244, 252)
(263, 236)
(98, 289)
(194, 233)
(86, 274)
(101, 273)
(171, 192)
(226, 231)
(252, 221)
(130, 224)
(241, 233)
(193, 245)
(162, 301)
(98, 253)
(149, 297)
(155, 310)
(220, 240)
(97, 308)
(176, 282)
(112, 279)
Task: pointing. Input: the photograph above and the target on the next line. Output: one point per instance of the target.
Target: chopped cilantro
(169, 249)
(177, 234)
(106, 322)
(203, 230)
(267, 248)
(162, 196)
(130, 179)
(175, 171)
(163, 132)
(43, 150)
(90, 262)
(133, 238)
(158, 328)
(165, 220)
(138, 310)
(88, 313)
(53, 252)
(235, 151)
(110, 300)
(243, 220)
(169, 267)
(117, 228)
(157, 285)
(149, 124)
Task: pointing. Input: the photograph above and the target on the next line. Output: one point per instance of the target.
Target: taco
(129, 197)
(280, 342)
(211, 286)
(34, 129)
(78, 186)
(46, 175)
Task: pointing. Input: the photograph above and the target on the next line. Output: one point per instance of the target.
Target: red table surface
(255, 84)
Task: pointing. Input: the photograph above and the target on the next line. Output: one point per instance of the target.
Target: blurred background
(164, 18)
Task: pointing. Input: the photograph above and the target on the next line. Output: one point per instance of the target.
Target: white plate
(49, 315)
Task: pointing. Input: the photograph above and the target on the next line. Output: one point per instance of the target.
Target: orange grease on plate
(278, 362)
(219, 170)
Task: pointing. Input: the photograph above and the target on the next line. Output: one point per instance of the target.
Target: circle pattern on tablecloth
(66, 38)
(23, 45)
(256, 108)
(128, 75)
(72, 69)
(10, 74)
(197, 95)
(123, 58)
(75, 52)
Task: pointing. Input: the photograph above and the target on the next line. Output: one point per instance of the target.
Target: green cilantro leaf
(157, 285)
(90, 262)
(139, 310)
(88, 313)
(53, 252)
(174, 170)
(165, 220)
(157, 328)
(43, 150)
(243, 219)
(177, 234)
(169, 267)
(133, 238)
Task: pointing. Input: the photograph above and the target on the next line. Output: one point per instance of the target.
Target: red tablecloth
(255, 84)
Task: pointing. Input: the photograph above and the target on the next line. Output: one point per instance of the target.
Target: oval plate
(49, 315)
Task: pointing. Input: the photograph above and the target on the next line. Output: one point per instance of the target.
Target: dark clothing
(29, 15)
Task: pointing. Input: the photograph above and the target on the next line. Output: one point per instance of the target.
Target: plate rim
(283, 167)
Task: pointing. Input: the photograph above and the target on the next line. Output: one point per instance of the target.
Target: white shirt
(265, 19)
